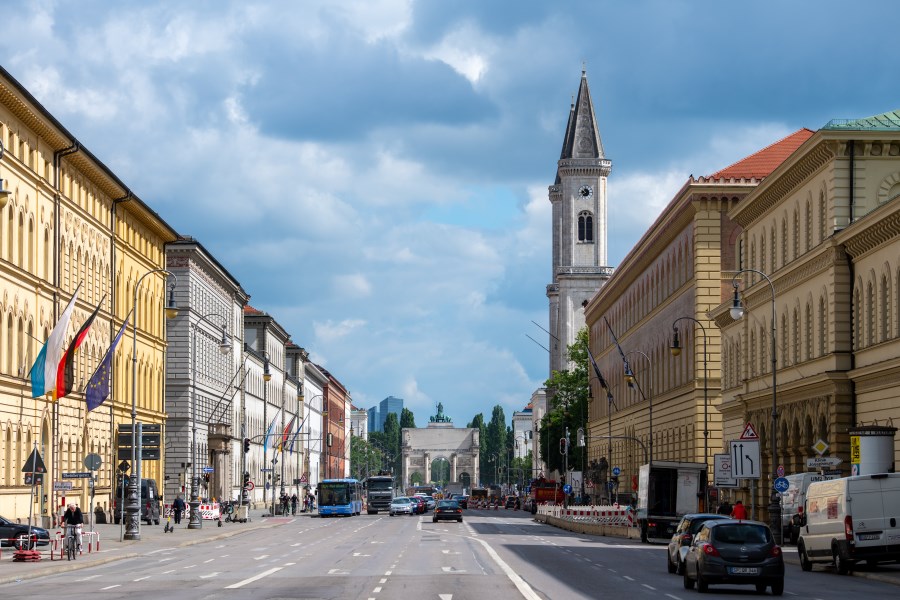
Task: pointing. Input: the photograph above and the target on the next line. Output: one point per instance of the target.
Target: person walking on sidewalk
(178, 508)
(738, 511)
(294, 500)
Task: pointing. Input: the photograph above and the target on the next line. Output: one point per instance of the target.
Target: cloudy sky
(375, 172)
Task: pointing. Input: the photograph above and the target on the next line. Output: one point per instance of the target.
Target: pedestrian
(738, 512)
(294, 500)
(724, 508)
(178, 508)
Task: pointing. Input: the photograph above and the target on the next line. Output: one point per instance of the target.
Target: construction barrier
(602, 515)
(90, 542)
(208, 511)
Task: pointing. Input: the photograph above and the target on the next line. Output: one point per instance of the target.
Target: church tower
(579, 224)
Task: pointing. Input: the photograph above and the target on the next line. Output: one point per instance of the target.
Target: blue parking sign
(567, 488)
(617, 471)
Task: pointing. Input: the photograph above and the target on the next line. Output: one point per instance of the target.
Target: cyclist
(73, 516)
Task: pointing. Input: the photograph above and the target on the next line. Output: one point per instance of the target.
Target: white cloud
(355, 284)
(466, 50)
(329, 331)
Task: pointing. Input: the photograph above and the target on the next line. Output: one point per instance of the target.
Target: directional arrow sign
(822, 462)
(745, 459)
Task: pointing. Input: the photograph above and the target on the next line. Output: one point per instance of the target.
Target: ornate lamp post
(195, 522)
(675, 349)
(737, 312)
(133, 506)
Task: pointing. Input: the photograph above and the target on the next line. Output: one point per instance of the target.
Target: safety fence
(621, 516)
(90, 542)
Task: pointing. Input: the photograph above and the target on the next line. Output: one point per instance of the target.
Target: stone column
(453, 468)
(427, 467)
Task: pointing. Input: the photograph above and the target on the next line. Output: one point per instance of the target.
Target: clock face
(586, 192)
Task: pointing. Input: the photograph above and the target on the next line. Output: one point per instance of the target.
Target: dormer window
(586, 227)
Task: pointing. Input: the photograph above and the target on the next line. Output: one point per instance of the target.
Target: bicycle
(71, 541)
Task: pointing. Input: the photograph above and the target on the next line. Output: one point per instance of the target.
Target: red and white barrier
(90, 541)
(208, 511)
(604, 515)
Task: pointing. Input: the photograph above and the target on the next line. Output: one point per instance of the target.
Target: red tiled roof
(762, 163)
(249, 310)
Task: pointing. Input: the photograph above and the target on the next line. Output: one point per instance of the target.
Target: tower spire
(582, 138)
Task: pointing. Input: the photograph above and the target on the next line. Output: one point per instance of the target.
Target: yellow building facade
(669, 282)
(824, 229)
(69, 223)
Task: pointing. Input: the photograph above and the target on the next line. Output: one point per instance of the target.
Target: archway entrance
(440, 471)
(466, 480)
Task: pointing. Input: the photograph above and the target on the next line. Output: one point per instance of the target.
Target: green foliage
(416, 478)
(568, 395)
(365, 458)
(407, 419)
(478, 423)
(495, 447)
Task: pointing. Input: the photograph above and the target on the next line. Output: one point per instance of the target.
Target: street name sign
(823, 462)
(722, 471)
(77, 475)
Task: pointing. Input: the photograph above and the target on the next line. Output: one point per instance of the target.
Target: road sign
(820, 447)
(62, 485)
(124, 466)
(208, 470)
(749, 433)
(780, 471)
(93, 462)
(264, 469)
(782, 485)
(34, 464)
(77, 475)
(822, 462)
(617, 471)
(34, 479)
(745, 459)
(304, 478)
(589, 484)
(722, 471)
(149, 453)
(567, 489)
(250, 486)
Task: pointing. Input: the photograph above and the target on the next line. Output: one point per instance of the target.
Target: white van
(850, 520)
(794, 498)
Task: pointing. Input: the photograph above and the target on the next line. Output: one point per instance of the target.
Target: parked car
(421, 505)
(401, 505)
(844, 532)
(734, 552)
(447, 510)
(792, 502)
(682, 538)
(10, 532)
(429, 501)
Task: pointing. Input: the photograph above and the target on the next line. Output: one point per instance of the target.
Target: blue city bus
(339, 497)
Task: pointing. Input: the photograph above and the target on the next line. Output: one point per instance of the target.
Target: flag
(596, 369)
(65, 372)
(286, 434)
(622, 352)
(296, 435)
(269, 433)
(98, 386)
(43, 371)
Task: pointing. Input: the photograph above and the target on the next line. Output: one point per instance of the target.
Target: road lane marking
(210, 575)
(289, 564)
(109, 587)
(261, 557)
(239, 584)
(89, 577)
(208, 561)
(167, 572)
(189, 567)
(627, 577)
(143, 578)
(649, 587)
(520, 583)
(388, 573)
(383, 580)
(377, 590)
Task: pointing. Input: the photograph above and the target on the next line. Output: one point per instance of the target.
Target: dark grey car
(682, 538)
(734, 552)
(10, 535)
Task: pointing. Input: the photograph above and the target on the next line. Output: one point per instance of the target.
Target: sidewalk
(112, 548)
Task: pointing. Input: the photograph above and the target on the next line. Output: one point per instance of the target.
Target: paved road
(492, 555)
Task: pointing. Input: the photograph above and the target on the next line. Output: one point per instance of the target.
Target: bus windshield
(334, 494)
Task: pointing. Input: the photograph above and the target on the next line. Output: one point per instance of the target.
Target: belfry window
(585, 227)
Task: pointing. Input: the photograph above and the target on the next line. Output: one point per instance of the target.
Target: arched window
(807, 221)
(870, 315)
(763, 355)
(857, 320)
(784, 341)
(884, 309)
(762, 250)
(796, 234)
(752, 344)
(807, 333)
(784, 241)
(822, 326)
(772, 248)
(821, 217)
(585, 227)
(795, 337)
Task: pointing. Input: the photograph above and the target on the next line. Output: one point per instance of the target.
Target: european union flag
(98, 386)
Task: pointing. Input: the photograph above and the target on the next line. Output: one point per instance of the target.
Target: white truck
(667, 491)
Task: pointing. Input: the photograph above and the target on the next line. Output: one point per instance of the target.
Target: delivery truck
(666, 492)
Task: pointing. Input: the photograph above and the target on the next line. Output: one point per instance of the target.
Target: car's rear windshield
(449, 503)
(742, 533)
(696, 524)
(400, 500)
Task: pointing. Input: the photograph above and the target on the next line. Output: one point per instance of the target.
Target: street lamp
(675, 349)
(195, 522)
(133, 507)
(632, 382)
(737, 312)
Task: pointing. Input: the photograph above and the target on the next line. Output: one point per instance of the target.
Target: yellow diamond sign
(820, 447)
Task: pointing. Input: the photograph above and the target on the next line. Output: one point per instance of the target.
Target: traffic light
(206, 477)
(246, 445)
(246, 478)
(563, 446)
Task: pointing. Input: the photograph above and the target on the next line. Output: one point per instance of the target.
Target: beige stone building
(670, 280)
(68, 222)
(824, 229)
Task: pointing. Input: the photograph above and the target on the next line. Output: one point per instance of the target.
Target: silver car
(401, 505)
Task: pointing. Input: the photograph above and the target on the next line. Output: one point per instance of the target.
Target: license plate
(743, 570)
(869, 536)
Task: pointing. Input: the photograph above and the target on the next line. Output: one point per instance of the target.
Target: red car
(420, 504)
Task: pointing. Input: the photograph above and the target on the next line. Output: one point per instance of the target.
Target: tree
(478, 423)
(495, 446)
(568, 396)
(407, 419)
(392, 439)
(365, 458)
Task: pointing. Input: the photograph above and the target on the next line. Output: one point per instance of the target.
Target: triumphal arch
(423, 449)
